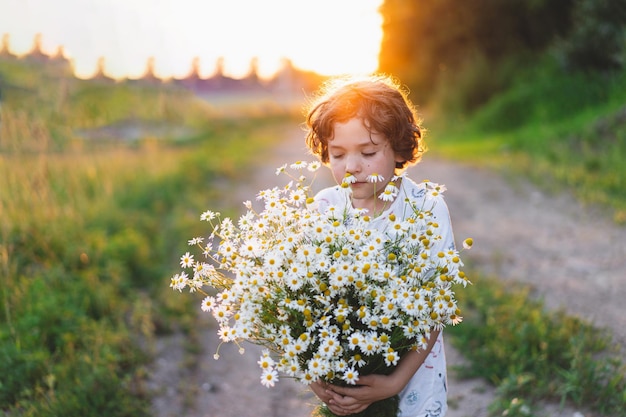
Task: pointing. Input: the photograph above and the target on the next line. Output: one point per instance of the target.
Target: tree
(426, 40)
(597, 38)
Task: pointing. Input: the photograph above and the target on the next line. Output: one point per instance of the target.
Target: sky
(327, 36)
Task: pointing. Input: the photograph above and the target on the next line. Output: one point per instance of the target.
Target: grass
(532, 355)
(562, 131)
(87, 250)
(83, 238)
(90, 230)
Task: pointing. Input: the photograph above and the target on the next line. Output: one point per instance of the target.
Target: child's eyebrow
(363, 144)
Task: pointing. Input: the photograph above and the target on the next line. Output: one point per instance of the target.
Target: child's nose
(353, 165)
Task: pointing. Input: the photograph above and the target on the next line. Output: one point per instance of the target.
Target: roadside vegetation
(567, 133)
(532, 88)
(564, 131)
(90, 229)
(532, 355)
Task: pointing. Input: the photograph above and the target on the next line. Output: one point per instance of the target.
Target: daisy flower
(348, 178)
(390, 192)
(179, 281)
(208, 249)
(314, 166)
(317, 366)
(298, 165)
(203, 270)
(434, 191)
(350, 375)
(195, 241)
(266, 362)
(269, 377)
(209, 215)
(357, 360)
(281, 169)
(375, 178)
(297, 197)
(355, 340)
(186, 261)
(391, 357)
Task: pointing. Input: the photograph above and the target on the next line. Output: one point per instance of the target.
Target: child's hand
(324, 392)
(340, 405)
(320, 388)
(354, 399)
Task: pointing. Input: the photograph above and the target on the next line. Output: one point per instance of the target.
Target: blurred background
(122, 121)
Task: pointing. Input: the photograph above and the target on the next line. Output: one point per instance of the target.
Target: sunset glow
(326, 36)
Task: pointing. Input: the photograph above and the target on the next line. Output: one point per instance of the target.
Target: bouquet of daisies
(328, 296)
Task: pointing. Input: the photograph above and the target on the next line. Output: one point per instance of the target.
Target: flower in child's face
(357, 151)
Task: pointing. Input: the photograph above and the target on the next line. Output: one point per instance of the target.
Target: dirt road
(573, 257)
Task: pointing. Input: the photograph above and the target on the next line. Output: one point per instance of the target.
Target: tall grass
(88, 235)
(64, 330)
(562, 130)
(87, 243)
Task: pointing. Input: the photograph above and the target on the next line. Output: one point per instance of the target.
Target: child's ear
(399, 159)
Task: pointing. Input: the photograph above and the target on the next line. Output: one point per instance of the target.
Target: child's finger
(343, 391)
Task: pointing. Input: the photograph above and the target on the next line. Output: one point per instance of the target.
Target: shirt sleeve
(441, 215)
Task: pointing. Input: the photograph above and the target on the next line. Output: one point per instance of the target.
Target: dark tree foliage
(597, 37)
(426, 42)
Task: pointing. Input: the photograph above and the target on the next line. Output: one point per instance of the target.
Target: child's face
(355, 150)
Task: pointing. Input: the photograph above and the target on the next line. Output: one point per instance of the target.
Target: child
(368, 128)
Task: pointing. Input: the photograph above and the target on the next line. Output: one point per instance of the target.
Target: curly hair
(379, 101)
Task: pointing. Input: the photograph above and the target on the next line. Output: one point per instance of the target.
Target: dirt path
(572, 256)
